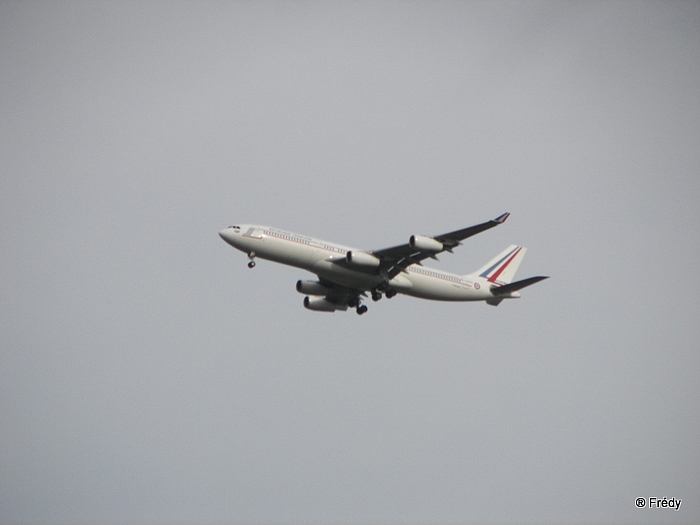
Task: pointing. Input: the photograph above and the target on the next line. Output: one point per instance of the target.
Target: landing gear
(251, 264)
(251, 256)
(386, 289)
(354, 302)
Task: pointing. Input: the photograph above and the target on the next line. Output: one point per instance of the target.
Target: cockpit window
(235, 227)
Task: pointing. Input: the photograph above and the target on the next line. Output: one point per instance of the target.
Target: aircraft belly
(437, 289)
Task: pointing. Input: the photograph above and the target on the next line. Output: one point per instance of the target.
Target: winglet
(501, 218)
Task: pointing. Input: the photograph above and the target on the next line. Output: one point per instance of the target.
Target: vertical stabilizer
(501, 269)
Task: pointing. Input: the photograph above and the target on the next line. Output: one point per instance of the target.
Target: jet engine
(427, 244)
(311, 288)
(321, 304)
(362, 259)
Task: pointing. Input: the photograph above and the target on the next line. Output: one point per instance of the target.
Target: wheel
(251, 264)
(361, 309)
(376, 296)
(390, 294)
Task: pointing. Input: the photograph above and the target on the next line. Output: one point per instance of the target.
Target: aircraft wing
(397, 258)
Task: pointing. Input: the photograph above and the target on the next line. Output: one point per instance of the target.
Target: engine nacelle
(311, 288)
(427, 244)
(321, 304)
(362, 259)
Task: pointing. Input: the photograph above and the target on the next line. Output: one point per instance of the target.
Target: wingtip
(502, 218)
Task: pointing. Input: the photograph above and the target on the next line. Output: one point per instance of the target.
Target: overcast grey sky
(147, 376)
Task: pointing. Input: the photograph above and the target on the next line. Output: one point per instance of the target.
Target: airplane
(345, 275)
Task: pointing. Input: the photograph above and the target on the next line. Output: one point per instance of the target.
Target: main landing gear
(355, 303)
(377, 293)
(251, 256)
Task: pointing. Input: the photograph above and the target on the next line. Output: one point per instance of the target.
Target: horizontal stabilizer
(517, 285)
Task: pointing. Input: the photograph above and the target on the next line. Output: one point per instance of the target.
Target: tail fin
(501, 269)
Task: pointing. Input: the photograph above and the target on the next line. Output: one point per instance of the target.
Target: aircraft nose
(227, 235)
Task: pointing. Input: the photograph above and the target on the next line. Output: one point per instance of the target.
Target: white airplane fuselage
(322, 258)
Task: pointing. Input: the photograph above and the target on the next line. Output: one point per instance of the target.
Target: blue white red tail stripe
(500, 265)
(497, 273)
